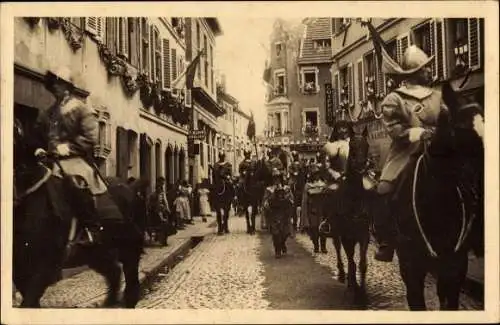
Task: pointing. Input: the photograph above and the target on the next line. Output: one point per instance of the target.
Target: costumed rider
(410, 114)
(71, 131)
(246, 167)
(337, 152)
(297, 182)
(222, 173)
(278, 208)
(275, 162)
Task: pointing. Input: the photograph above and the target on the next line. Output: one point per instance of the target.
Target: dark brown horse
(222, 192)
(44, 227)
(347, 211)
(440, 205)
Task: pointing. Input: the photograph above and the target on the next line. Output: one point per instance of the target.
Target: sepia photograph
(249, 160)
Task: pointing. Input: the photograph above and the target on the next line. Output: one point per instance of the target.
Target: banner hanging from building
(330, 114)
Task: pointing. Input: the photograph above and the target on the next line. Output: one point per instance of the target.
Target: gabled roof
(279, 101)
(316, 29)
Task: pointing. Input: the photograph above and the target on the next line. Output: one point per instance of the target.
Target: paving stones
(223, 272)
(385, 288)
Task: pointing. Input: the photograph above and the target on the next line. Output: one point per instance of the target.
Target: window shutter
(433, 49)
(91, 25)
(360, 79)
(166, 63)
(440, 40)
(380, 80)
(174, 64)
(188, 98)
(152, 53)
(133, 28)
(111, 34)
(350, 83)
(123, 35)
(402, 44)
(474, 46)
(101, 29)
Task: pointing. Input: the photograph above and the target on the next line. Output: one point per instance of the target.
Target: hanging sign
(330, 116)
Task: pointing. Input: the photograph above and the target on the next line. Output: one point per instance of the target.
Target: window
(212, 68)
(423, 38)
(370, 74)
(346, 89)
(285, 122)
(310, 121)
(465, 43)
(322, 44)
(278, 49)
(279, 82)
(103, 147)
(336, 25)
(145, 45)
(123, 39)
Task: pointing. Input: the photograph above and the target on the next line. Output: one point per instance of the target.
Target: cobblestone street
(385, 288)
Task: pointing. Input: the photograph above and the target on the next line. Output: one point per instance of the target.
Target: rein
(464, 229)
(37, 185)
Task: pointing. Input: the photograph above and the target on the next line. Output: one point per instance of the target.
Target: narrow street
(239, 271)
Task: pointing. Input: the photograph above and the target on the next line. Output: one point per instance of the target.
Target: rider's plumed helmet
(414, 59)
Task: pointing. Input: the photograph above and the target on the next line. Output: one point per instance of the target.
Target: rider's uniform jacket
(222, 170)
(406, 107)
(73, 123)
(246, 168)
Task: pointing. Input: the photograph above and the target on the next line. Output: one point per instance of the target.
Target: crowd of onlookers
(170, 207)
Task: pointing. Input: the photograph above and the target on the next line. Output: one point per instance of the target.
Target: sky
(241, 54)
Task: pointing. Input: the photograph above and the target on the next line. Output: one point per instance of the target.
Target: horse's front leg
(338, 250)
(413, 272)
(349, 245)
(363, 264)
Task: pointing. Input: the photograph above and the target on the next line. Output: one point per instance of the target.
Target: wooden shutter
(360, 79)
(123, 37)
(111, 34)
(380, 80)
(134, 40)
(402, 44)
(474, 43)
(350, 83)
(152, 53)
(440, 46)
(433, 50)
(174, 64)
(122, 153)
(166, 63)
(336, 86)
(91, 25)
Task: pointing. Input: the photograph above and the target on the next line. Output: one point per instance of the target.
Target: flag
(251, 127)
(186, 78)
(388, 64)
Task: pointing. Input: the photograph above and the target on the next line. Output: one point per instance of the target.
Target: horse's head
(358, 152)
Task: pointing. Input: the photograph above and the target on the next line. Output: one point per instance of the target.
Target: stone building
(123, 68)
(201, 34)
(359, 85)
(300, 67)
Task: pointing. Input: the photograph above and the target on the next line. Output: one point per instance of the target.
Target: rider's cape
(404, 108)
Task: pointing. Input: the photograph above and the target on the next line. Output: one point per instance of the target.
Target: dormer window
(322, 44)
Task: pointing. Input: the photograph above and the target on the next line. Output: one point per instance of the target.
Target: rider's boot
(384, 229)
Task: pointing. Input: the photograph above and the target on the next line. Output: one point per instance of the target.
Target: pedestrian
(410, 114)
(204, 192)
(312, 208)
(159, 214)
(181, 203)
(278, 207)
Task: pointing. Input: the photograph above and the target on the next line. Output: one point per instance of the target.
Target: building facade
(122, 68)
(359, 85)
(201, 34)
(300, 70)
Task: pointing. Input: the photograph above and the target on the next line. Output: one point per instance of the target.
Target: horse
(440, 208)
(347, 213)
(223, 193)
(250, 194)
(45, 232)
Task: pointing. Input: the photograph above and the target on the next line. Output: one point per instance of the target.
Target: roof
(242, 113)
(316, 29)
(279, 100)
(226, 97)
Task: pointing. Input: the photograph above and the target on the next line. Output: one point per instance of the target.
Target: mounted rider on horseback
(249, 189)
(410, 114)
(68, 130)
(222, 174)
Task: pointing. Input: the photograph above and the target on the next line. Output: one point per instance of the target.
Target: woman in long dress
(205, 209)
